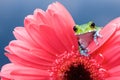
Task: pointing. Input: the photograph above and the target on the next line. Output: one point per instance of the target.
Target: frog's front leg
(96, 36)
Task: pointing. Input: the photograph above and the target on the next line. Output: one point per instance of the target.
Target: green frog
(85, 34)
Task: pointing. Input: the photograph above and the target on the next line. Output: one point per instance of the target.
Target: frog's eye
(75, 28)
(92, 25)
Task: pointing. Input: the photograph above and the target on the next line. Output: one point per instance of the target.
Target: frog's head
(84, 28)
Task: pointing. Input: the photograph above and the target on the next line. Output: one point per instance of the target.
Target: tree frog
(85, 34)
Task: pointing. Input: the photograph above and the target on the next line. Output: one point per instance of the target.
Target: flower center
(78, 67)
(77, 72)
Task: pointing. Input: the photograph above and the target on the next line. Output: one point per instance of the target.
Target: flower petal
(115, 72)
(113, 78)
(21, 34)
(58, 8)
(41, 17)
(17, 72)
(17, 60)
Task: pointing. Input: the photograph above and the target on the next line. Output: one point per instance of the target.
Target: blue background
(12, 13)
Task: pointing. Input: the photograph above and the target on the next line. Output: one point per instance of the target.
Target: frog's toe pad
(97, 34)
(84, 52)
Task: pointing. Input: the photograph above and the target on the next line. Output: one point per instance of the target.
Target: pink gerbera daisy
(47, 49)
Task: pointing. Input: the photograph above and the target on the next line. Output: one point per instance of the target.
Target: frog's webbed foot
(83, 50)
(96, 36)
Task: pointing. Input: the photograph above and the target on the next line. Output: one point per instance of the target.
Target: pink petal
(17, 60)
(20, 72)
(113, 78)
(41, 17)
(58, 8)
(37, 56)
(62, 22)
(65, 34)
(21, 34)
(29, 20)
(115, 72)
(99, 58)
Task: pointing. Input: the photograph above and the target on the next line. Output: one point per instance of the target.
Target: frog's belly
(85, 39)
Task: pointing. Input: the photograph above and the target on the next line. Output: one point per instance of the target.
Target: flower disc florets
(78, 67)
